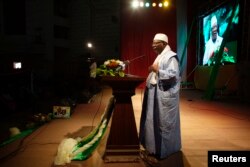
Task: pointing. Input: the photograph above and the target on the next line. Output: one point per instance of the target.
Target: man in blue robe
(160, 118)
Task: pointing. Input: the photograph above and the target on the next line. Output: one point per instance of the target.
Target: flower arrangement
(111, 67)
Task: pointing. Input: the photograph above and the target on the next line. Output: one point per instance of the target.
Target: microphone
(127, 62)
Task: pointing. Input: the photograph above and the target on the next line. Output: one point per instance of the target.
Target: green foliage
(225, 58)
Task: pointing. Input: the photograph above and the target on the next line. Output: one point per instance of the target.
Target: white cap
(162, 37)
(213, 21)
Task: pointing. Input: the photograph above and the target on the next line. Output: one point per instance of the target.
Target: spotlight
(166, 4)
(141, 4)
(17, 65)
(147, 4)
(135, 4)
(89, 45)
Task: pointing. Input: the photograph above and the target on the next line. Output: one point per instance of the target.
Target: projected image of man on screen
(213, 44)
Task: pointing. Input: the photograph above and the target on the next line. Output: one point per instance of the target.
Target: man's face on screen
(214, 33)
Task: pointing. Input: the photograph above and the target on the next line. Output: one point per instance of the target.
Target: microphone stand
(129, 61)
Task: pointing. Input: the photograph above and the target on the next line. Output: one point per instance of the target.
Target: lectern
(123, 142)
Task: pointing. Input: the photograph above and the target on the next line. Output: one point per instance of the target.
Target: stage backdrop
(138, 27)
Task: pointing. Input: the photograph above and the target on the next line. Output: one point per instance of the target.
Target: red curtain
(138, 27)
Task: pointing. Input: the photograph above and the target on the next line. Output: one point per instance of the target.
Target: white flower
(64, 152)
(106, 62)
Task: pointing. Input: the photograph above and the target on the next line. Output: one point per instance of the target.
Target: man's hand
(154, 68)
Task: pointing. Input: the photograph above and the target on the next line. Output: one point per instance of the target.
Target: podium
(123, 141)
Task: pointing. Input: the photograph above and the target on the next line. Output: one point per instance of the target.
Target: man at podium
(160, 119)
